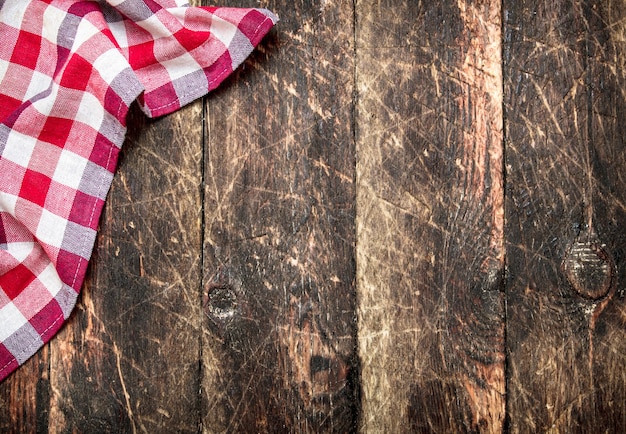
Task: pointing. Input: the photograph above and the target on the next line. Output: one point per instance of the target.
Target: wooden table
(398, 216)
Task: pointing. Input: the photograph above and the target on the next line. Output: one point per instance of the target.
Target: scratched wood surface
(565, 107)
(430, 224)
(397, 216)
(279, 347)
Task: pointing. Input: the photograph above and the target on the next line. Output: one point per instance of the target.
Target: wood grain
(25, 396)
(430, 250)
(279, 344)
(565, 106)
(128, 361)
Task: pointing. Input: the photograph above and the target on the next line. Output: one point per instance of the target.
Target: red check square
(7, 106)
(77, 73)
(142, 55)
(41, 320)
(56, 131)
(83, 201)
(35, 187)
(14, 282)
(26, 51)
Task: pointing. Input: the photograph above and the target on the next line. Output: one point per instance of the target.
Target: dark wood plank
(25, 397)
(128, 360)
(430, 249)
(565, 105)
(279, 348)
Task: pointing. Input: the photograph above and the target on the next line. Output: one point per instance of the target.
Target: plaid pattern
(68, 72)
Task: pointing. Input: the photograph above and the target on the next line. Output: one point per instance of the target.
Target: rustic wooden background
(397, 216)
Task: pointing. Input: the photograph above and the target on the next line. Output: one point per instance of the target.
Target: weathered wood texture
(565, 105)
(25, 397)
(321, 245)
(280, 339)
(430, 216)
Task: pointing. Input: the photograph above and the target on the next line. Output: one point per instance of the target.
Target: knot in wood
(220, 299)
(589, 269)
(222, 302)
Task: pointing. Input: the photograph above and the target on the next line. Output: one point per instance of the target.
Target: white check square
(70, 168)
(51, 229)
(11, 319)
(19, 148)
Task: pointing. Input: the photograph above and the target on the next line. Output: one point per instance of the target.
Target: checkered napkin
(68, 72)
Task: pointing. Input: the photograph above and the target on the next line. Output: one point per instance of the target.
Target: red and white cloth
(68, 72)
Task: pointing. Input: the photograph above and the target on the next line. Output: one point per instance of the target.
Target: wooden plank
(128, 360)
(565, 105)
(279, 344)
(25, 397)
(430, 250)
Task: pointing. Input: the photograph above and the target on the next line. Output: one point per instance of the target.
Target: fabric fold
(69, 71)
